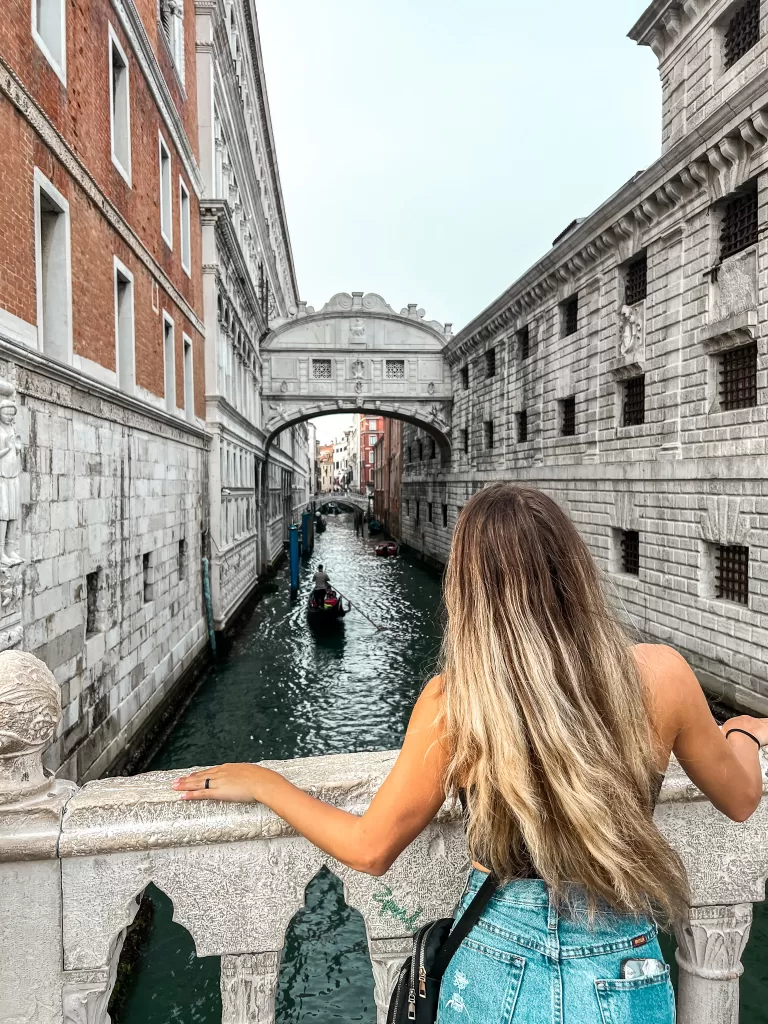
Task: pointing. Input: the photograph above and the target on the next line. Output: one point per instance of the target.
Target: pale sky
(430, 150)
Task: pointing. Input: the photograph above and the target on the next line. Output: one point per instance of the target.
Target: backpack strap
(463, 926)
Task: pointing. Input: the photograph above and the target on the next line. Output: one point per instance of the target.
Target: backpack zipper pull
(412, 1004)
(422, 982)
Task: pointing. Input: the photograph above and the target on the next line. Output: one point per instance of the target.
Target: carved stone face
(7, 413)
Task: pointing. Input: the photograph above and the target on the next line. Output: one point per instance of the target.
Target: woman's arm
(727, 771)
(407, 801)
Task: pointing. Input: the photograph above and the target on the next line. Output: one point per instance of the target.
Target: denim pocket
(639, 1001)
(480, 985)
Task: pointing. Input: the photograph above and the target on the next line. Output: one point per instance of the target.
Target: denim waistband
(531, 892)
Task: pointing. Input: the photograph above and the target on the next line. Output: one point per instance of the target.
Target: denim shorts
(524, 962)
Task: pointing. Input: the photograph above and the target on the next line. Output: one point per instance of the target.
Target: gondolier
(321, 582)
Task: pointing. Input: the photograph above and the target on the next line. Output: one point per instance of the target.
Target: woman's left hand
(238, 783)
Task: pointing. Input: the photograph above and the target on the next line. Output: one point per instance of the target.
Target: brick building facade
(388, 475)
(626, 373)
(369, 429)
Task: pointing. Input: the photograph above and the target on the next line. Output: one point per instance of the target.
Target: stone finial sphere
(30, 703)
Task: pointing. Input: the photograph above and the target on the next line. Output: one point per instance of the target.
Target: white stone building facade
(627, 372)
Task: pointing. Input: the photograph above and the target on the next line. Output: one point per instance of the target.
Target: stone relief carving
(248, 988)
(623, 515)
(736, 286)
(30, 709)
(431, 388)
(10, 484)
(358, 368)
(85, 995)
(387, 957)
(357, 329)
(359, 386)
(722, 523)
(284, 387)
(630, 330)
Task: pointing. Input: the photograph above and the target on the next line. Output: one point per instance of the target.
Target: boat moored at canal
(387, 549)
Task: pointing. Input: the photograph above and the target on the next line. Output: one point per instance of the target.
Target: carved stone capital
(85, 995)
(710, 946)
(248, 988)
(387, 957)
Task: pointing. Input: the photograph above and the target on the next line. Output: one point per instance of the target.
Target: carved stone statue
(629, 330)
(357, 329)
(10, 471)
(30, 708)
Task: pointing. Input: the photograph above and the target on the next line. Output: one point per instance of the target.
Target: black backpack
(417, 992)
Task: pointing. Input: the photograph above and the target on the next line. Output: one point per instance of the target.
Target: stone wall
(690, 478)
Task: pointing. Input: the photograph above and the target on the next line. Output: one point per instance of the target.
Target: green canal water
(281, 692)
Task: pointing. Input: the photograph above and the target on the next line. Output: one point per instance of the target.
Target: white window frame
(169, 385)
(163, 146)
(189, 384)
(185, 222)
(42, 184)
(119, 266)
(59, 67)
(113, 41)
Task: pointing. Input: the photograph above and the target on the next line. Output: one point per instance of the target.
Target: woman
(555, 732)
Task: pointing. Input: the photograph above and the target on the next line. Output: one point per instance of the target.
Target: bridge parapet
(73, 863)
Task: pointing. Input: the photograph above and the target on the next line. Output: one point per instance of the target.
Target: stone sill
(731, 332)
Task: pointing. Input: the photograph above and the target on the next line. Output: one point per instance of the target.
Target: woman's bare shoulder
(670, 679)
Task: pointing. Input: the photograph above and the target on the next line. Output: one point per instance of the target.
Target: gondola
(330, 615)
(320, 524)
(387, 549)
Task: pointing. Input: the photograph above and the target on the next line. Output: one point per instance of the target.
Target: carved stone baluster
(387, 956)
(85, 995)
(709, 954)
(248, 988)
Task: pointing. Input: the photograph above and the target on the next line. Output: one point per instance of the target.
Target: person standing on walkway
(554, 731)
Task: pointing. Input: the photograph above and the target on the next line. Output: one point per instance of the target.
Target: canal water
(282, 692)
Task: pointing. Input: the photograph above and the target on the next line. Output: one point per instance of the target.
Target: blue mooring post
(306, 537)
(293, 552)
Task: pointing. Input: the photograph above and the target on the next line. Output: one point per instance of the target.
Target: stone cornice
(27, 106)
(695, 168)
(46, 379)
(133, 27)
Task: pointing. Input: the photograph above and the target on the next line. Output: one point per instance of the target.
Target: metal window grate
(739, 229)
(490, 362)
(418, 512)
(743, 32)
(630, 552)
(445, 515)
(488, 433)
(410, 454)
(633, 412)
(568, 417)
(524, 342)
(465, 440)
(738, 378)
(432, 448)
(571, 316)
(636, 283)
(420, 449)
(321, 369)
(429, 511)
(465, 378)
(732, 573)
(522, 426)
(395, 369)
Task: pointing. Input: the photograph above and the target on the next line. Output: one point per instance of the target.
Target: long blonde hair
(546, 713)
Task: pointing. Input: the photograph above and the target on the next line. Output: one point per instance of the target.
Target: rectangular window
(166, 198)
(633, 405)
(445, 515)
(570, 316)
(488, 434)
(743, 32)
(636, 281)
(124, 329)
(464, 378)
(410, 454)
(432, 448)
(420, 450)
(738, 378)
(490, 362)
(418, 512)
(148, 577)
(371, 455)
(182, 564)
(49, 30)
(94, 620)
(321, 369)
(119, 107)
(732, 573)
(169, 356)
(739, 225)
(184, 228)
(189, 382)
(395, 369)
(465, 440)
(429, 511)
(522, 426)
(524, 342)
(630, 552)
(568, 417)
(53, 268)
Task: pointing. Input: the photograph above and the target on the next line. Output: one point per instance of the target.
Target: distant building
(325, 467)
(370, 429)
(387, 476)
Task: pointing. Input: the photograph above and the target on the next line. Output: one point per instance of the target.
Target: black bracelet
(745, 733)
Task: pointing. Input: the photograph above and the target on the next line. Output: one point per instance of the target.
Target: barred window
(738, 378)
(488, 434)
(395, 369)
(630, 552)
(321, 369)
(429, 511)
(636, 281)
(568, 417)
(432, 448)
(445, 515)
(407, 508)
(524, 342)
(420, 449)
(739, 229)
(410, 453)
(490, 362)
(743, 32)
(522, 426)
(464, 378)
(633, 410)
(732, 573)
(464, 440)
(418, 512)
(570, 314)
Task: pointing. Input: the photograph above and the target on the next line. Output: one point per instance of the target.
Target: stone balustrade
(73, 863)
